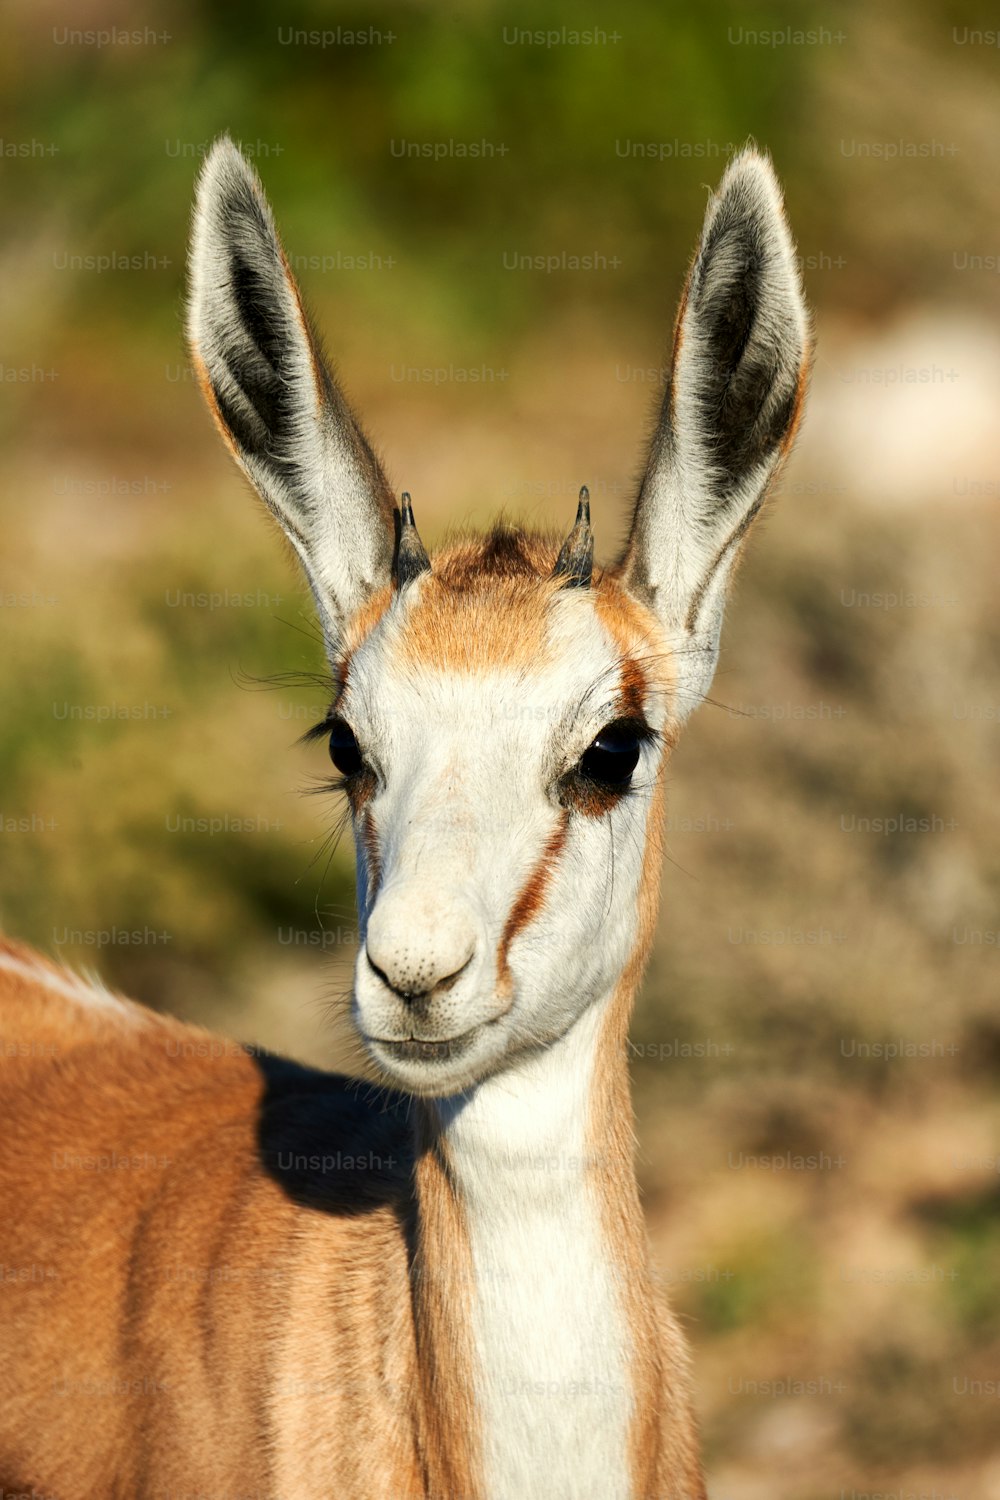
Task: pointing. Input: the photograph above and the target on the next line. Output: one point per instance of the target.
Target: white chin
(435, 1069)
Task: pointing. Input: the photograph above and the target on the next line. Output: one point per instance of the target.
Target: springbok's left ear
(729, 415)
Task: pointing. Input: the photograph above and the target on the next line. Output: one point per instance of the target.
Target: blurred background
(491, 213)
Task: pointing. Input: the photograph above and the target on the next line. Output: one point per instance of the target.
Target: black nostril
(412, 993)
(403, 994)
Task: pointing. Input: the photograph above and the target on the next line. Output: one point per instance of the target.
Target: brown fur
(632, 692)
(531, 899)
(361, 626)
(636, 632)
(484, 604)
(180, 1322)
(442, 1291)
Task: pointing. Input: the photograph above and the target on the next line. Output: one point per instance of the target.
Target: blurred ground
(817, 1047)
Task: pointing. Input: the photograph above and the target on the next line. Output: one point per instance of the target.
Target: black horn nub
(411, 557)
(575, 563)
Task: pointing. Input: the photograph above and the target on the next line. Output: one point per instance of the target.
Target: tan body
(187, 1307)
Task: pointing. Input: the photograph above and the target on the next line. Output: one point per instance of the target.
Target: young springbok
(255, 1279)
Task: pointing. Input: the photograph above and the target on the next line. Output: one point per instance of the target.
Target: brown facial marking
(363, 622)
(589, 799)
(634, 629)
(359, 627)
(369, 836)
(632, 692)
(530, 900)
(483, 605)
(639, 637)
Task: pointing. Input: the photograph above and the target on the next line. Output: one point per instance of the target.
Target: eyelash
(320, 731)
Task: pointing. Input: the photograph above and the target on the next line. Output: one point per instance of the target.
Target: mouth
(416, 1049)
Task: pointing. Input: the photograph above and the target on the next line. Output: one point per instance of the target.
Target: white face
(499, 857)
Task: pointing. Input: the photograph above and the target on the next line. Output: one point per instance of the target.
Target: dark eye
(344, 751)
(614, 754)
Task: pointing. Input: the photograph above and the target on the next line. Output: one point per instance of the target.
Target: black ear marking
(746, 384)
(256, 369)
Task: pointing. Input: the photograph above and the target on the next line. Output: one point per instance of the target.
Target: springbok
(227, 1275)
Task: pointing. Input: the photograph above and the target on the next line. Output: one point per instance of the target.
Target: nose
(415, 952)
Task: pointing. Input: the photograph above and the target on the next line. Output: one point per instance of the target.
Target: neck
(535, 1316)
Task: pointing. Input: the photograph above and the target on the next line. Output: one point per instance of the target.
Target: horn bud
(411, 555)
(575, 563)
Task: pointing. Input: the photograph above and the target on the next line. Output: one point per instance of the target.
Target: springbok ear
(276, 404)
(729, 415)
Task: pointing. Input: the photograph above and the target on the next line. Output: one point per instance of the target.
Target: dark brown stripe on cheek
(369, 837)
(531, 899)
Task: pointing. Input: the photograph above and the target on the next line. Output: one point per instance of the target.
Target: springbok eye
(344, 751)
(614, 754)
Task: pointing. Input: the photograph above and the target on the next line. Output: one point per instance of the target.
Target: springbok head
(504, 709)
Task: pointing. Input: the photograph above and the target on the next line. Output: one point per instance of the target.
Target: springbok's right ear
(276, 404)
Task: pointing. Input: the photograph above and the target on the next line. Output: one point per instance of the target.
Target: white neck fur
(549, 1333)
